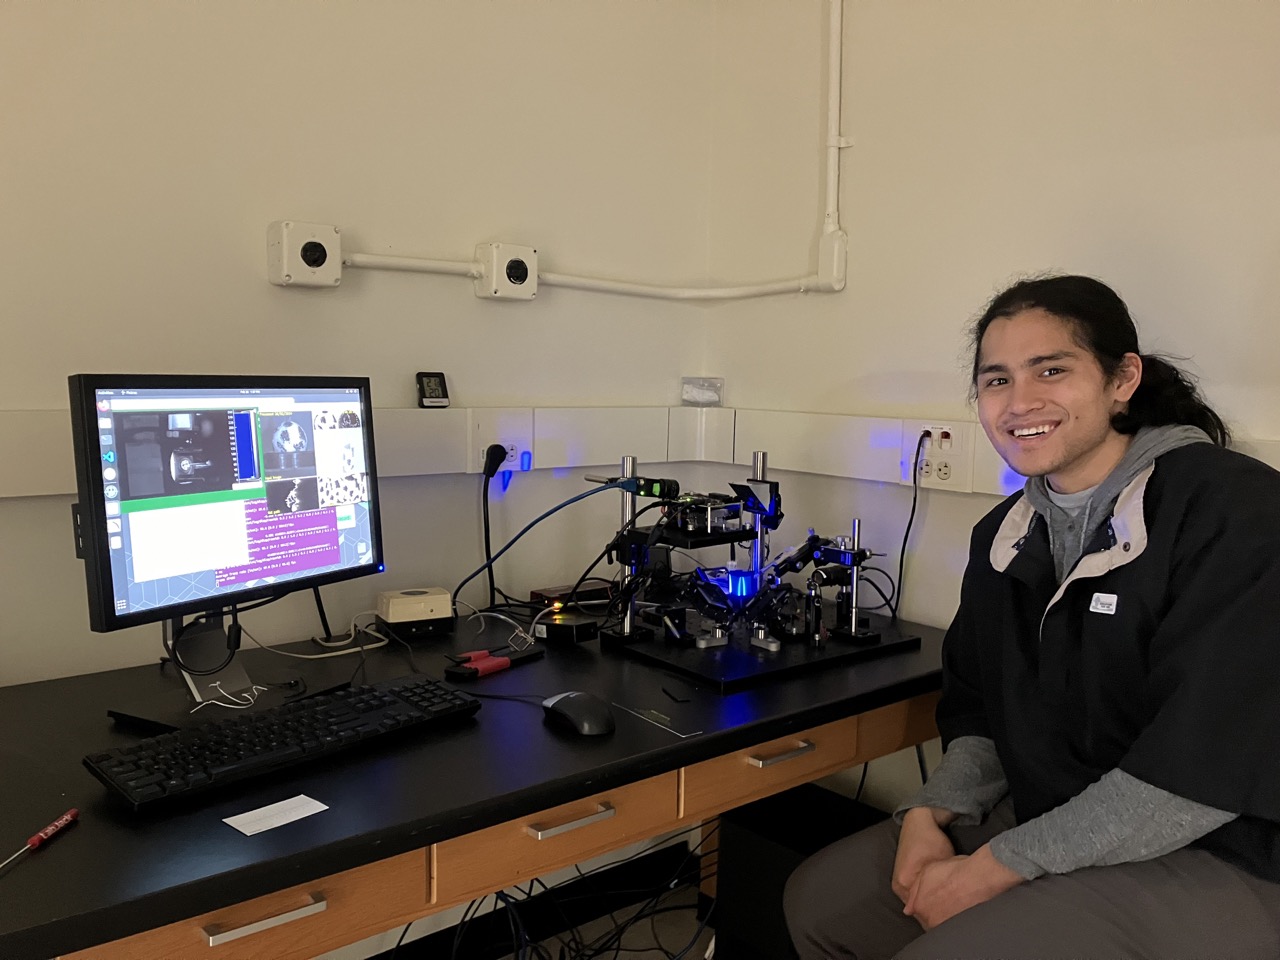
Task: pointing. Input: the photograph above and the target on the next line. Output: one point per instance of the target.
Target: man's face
(1045, 404)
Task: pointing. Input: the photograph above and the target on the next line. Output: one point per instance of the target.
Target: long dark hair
(1101, 324)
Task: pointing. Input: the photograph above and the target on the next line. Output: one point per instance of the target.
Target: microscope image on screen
(288, 445)
(167, 453)
(292, 496)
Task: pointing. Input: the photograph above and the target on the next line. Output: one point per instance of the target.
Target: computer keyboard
(156, 771)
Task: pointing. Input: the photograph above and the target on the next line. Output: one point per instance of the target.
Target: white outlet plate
(946, 460)
(510, 426)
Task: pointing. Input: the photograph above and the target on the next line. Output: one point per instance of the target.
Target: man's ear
(1128, 377)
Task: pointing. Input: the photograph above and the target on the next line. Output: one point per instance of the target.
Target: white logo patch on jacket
(1103, 603)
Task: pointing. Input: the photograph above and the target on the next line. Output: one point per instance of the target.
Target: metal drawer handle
(218, 936)
(604, 810)
(806, 746)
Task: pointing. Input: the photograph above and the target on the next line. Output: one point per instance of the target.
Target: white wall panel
(865, 448)
(700, 433)
(417, 442)
(567, 437)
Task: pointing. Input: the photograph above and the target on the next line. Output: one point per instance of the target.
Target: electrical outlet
(946, 457)
(510, 426)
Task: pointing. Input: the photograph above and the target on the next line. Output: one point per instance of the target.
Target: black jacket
(1158, 654)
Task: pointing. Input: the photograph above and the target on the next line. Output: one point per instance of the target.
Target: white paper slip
(274, 815)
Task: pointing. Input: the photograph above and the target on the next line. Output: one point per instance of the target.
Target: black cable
(518, 941)
(915, 496)
(171, 648)
(400, 941)
(517, 697)
(614, 937)
(473, 908)
(888, 578)
(586, 574)
(408, 647)
(702, 925)
(529, 526)
(488, 544)
(513, 602)
(574, 947)
(862, 782)
(876, 587)
(494, 455)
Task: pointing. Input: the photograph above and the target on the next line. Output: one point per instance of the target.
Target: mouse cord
(528, 698)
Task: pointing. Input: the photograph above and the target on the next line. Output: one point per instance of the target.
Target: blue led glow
(505, 476)
(738, 586)
(526, 460)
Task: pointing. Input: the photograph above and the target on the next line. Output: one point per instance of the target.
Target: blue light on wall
(1011, 481)
(505, 476)
(526, 460)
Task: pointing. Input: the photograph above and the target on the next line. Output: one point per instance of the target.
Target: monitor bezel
(91, 515)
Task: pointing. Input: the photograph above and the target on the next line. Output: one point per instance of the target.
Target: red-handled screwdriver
(44, 835)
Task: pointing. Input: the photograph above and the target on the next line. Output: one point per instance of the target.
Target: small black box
(761, 844)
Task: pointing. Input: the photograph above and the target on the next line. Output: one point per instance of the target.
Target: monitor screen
(200, 492)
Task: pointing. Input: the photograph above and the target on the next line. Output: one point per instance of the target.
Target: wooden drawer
(716, 785)
(896, 727)
(498, 857)
(308, 919)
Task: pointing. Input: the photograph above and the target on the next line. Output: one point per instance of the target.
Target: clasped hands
(932, 881)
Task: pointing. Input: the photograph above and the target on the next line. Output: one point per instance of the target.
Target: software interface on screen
(215, 491)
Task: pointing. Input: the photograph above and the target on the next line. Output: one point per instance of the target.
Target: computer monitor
(202, 494)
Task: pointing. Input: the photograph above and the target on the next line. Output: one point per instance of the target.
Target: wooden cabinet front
(291, 924)
(716, 785)
(500, 856)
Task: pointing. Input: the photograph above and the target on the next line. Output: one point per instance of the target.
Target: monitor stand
(204, 645)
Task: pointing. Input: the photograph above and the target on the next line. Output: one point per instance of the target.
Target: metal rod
(631, 568)
(855, 544)
(759, 471)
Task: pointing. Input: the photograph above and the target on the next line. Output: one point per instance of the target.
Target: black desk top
(116, 873)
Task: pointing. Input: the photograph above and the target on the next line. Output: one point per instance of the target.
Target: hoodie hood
(1069, 533)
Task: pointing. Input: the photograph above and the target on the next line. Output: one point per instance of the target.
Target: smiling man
(1111, 700)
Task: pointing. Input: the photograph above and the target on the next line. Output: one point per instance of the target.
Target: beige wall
(1135, 141)
(144, 146)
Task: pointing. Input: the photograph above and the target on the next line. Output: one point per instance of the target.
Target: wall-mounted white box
(304, 254)
(508, 271)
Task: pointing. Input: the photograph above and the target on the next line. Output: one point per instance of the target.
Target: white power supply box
(410, 606)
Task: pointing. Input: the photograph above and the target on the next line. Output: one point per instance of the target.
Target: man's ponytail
(1167, 395)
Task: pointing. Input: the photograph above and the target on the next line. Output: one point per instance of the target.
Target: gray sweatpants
(1186, 905)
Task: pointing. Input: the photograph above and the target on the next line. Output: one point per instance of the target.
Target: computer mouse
(576, 712)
